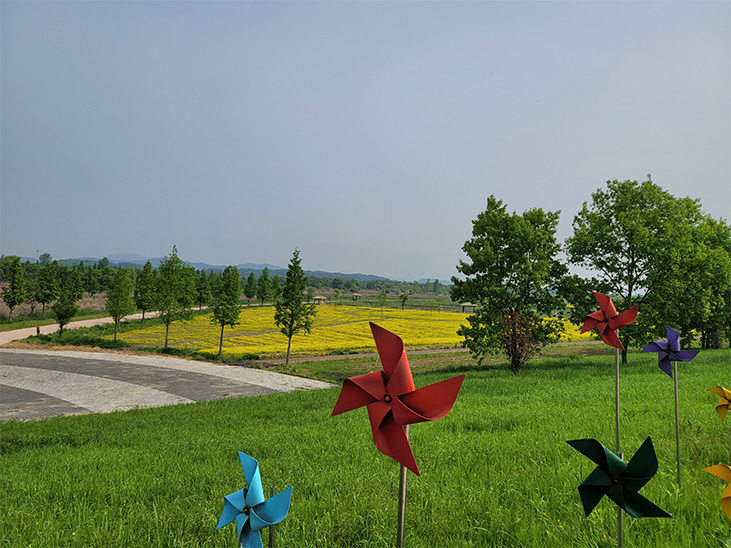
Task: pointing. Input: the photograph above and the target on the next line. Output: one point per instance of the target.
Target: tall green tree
(511, 274)
(15, 293)
(31, 272)
(145, 289)
(45, 259)
(263, 289)
(250, 287)
(695, 298)
(65, 307)
(291, 313)
(225, 307)
(48, 285)
(632, 236)
(175, 288)
(119, 301)
(202, 288)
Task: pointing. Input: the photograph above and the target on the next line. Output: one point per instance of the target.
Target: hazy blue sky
(367, 134)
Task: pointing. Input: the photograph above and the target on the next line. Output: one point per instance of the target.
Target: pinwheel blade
(391, 440)
(638, 506)
(359, 391)
(723, 471)
(395, 364)
(428, 403)
(607, 461)
(272, 511)
(594, 487)
(606, 304)
(657, 346)
(723, 405)
(233, 505)
(683, 355)
(610, 338)
(255, 492)
(641, 467)
(673, 339)
(247, 537)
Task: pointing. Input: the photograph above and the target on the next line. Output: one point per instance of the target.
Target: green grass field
(495, 472)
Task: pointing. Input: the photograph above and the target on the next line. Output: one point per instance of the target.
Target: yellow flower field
(336, 329)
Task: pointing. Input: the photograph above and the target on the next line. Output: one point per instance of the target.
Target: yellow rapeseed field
(336, 329)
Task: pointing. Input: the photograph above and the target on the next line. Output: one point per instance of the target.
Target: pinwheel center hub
(615, 481)
(247, 510)
(388, 398)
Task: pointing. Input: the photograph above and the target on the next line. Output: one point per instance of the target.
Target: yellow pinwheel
(722, 407)
(723, 471)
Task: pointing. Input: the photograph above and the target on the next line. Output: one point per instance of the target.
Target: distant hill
(134, 260)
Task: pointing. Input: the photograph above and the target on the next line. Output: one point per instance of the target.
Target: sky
(367, 134)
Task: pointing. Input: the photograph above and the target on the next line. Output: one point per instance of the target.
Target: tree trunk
(116, 325)
(143, 316)
(220, 343)
(289, 344)
(624, 357)
(167, 328)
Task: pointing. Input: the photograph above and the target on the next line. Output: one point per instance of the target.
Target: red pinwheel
(392, 399)
(607, 320)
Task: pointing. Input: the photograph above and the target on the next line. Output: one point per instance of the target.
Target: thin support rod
(402, 501)
(272, 490)
(616, 391)
(677, 419)
(620, 519)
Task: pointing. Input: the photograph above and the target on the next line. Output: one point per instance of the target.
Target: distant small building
(319, 299)
(356, 296)
(470, 306)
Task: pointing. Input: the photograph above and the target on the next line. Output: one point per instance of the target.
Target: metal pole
(620, 519)
(272, 490)
(402, 501)
(677, 419)
(616, 391)
(620, 512)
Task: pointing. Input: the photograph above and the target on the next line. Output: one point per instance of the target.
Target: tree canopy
(175, 288)
(291, 313)
(225, 307)
(510, 275)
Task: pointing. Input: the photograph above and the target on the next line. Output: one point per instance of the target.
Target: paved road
(36, 384)
(18, 334)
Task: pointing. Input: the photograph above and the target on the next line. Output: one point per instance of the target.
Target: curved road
(40, 383)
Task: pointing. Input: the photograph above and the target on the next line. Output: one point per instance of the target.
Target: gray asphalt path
(36, 384)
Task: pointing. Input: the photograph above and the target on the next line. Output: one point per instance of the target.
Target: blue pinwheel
(669, 351)
(248, 507)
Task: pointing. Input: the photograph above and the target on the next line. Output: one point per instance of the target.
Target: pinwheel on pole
(723, 471)
(619, 480)
(250, 510)
(608, 321)
(725, 401)
(668, 356)
(393, 402)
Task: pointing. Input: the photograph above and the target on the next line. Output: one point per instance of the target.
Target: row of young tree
(644, 247)
(172, 290)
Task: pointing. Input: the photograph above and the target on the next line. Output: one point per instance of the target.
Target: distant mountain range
(133, 260)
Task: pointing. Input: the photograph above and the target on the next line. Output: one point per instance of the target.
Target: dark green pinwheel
(619, 480)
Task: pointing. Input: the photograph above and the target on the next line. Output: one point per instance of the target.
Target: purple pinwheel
(668, 352)
(668, 356)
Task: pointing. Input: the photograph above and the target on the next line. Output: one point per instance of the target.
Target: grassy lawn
(495, 472)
